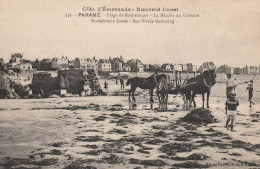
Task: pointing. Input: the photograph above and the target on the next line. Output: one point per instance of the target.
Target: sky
(226, 32)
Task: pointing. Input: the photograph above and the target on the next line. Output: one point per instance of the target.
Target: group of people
(121, 82)
(232, 103)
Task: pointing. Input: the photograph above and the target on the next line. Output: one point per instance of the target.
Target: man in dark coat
(122, 83)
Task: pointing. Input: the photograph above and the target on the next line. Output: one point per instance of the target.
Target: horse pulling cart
(164, 88)
(200, 84)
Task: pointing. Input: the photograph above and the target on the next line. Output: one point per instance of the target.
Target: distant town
(19, 64)
(22, 78)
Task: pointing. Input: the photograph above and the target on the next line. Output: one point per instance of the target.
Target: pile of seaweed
(199, 116)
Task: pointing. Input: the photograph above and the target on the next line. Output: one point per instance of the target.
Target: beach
(102, 132)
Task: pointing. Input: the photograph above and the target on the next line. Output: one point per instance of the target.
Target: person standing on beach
(250, 92)
(231, 85)
(122, 83)
(106, 86)
(231, 108)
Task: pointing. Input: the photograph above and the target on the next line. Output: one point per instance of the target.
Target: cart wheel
(162, 93)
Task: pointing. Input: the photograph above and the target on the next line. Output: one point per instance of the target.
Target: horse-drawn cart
(164, 88)
(200, 84)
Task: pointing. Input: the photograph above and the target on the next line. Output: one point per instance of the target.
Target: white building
(253, 70)
(86, 63)
(15, 61)
(140, 68)
(194, 68)
(184, 68)
(60, 63)
(104, 65)
(167, 67)
(177, 67)
(25, 66)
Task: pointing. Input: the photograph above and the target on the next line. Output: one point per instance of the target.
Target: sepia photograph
(158, 84)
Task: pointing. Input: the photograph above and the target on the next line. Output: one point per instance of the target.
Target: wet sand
(102, 132)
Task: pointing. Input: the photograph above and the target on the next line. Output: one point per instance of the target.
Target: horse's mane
(198, 77)
(151, 78)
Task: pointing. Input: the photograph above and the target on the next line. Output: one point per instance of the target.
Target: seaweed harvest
(91, 132)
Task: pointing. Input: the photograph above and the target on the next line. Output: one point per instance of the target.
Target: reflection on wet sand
(133, 106)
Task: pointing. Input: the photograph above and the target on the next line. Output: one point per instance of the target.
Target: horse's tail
(129, 81)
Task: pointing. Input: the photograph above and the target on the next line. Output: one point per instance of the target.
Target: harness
(205, 83)
(155, 78)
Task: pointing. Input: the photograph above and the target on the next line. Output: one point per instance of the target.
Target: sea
(219, 89)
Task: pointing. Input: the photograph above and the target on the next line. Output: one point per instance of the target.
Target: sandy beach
(61, 102)
(102, 132)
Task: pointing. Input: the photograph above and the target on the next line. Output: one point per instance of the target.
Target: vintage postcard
(129, 84)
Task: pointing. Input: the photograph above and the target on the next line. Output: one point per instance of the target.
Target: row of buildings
(247, 70)
(19, 64)
(251, 70)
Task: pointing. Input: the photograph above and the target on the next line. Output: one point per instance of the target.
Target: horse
(144, 83)
(186, 94)
(200, 84)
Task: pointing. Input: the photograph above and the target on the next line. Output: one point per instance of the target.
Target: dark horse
(200, 84)
(144, 83)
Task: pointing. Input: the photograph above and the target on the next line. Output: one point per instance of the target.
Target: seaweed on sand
(112, 159)
(100, 118)
(119, 131)
(155, 141)
(147, 162)
(172, 148)
(191, 165)
(9, 162)
(199, 116)
(80, 164)
(89, 138)
(160, 134)
(194, 156)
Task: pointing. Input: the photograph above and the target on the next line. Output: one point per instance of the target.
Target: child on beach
(250, 92)
(231, 108)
